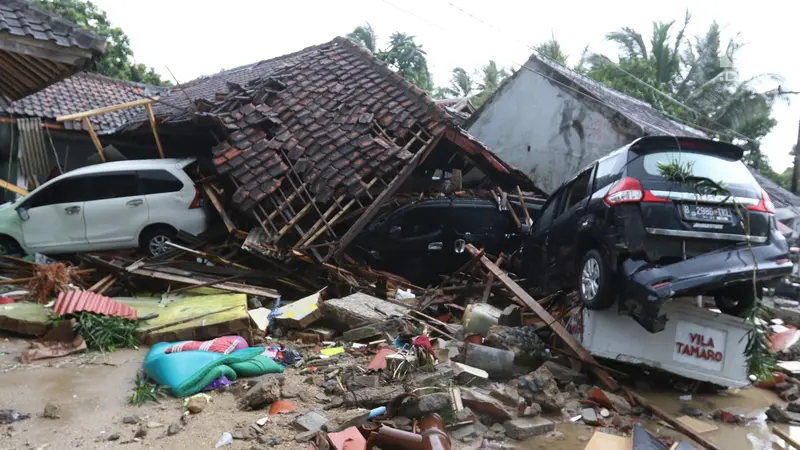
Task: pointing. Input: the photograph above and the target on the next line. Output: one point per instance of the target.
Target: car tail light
(629, 190)
(765, 205)
(196, 203)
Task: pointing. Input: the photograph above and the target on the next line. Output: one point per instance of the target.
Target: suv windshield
(703, 165)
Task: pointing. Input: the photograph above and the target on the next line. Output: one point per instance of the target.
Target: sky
(201, 37)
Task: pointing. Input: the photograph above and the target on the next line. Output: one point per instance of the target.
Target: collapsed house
(321, 138)
(550, 121)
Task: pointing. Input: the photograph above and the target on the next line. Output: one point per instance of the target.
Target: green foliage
(461, 83)
(118, 61)
(761, 362)
(492, 77)
(106, 333)
(698, 72)
(552, 49)
(409, 59)
(144, 391)
(365, 36)
(402, 54)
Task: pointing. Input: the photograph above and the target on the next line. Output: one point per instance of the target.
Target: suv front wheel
(594, 281)
(154, 241)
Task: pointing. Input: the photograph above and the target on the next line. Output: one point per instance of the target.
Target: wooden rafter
(85, 115)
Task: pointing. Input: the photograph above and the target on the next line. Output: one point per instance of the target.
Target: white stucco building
(550, 121)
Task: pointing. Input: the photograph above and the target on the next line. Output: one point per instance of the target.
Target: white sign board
(699, 346)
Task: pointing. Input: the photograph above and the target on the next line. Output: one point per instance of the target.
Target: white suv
(106, 206)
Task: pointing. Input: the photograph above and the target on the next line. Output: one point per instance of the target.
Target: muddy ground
(92, 390)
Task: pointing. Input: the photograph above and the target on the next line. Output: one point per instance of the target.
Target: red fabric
(6, 300)
(224, 345)
(424, 342)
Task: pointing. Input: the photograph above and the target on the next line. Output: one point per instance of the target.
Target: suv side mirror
(23, 213)
(395, 231)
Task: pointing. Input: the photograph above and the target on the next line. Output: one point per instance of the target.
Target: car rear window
(713, 167)
(159, 182)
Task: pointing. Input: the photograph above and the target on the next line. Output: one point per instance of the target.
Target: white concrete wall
(544, 130)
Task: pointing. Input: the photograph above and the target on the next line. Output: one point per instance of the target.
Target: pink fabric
(224, 345)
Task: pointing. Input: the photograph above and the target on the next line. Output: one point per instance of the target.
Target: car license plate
(705, 213)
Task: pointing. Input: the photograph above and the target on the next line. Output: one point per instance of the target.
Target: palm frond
(630, 41)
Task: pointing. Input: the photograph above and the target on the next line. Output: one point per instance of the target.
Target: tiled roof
(782, 198)
(82, 92)
(460, 104)
(19, 18)
(652, 121)
(322, 108)
(176, 105)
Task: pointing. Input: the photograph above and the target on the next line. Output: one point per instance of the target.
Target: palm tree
(461, 83)
(552, 49)
(492, 77)
(409, 59)
(699, 75)
(365, 36)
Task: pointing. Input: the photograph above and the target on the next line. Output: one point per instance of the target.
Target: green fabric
(256, 366)
(224, 366)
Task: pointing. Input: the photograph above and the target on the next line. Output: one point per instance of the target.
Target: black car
(423, 240)
(648, 222)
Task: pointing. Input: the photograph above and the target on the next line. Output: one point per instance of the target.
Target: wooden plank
(95, 139)
(788, 439)
(666, 417)
(12, 187)
(106, 109)
(490, 281)
(225, 286)
(218, 206)
(525, 211)
(548, 319)
(152, 117)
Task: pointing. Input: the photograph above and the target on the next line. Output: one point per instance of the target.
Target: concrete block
(525, 428)
(359, 309)
(310, 421)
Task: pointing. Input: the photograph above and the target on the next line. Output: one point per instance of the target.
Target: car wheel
(594, 278)
(154, 242)
(737, 301)
(9, 247)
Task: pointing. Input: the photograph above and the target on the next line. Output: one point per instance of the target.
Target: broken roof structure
(787, 204)
(83, 92)
(323, 136)
(38, 48)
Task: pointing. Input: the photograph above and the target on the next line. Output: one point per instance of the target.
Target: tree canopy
(118, 61)
(694, 80)
(402, 54)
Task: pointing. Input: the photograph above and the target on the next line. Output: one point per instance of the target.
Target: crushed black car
(662, 217)
(425, 239)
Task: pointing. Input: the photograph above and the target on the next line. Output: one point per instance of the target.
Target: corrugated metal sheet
(76, 301)
(34, 149)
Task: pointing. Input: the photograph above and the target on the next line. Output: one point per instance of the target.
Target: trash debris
(225, 439)
(9, 416)
(196, 403)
